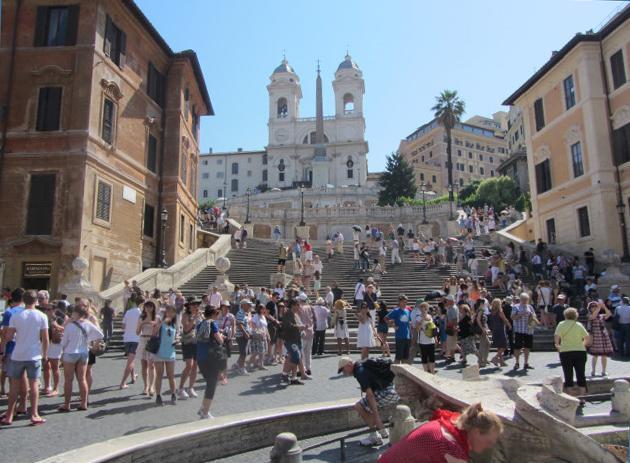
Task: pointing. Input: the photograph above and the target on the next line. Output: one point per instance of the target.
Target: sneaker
(191, 392)
(206, 416)
(384, 433)
(297, 382)
(173, 399)
(243, 372)
(158, 400)
(374, 439)
(183, 395)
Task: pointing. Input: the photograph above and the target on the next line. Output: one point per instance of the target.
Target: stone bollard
(402, 423)
(471, 373)
(621, 397)
(286, 449)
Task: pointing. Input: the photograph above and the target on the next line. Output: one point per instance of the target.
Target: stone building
(576, 114)
(479, 146)
(99, 135)
(313, 152)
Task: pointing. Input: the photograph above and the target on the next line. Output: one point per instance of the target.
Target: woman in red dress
(448, 437)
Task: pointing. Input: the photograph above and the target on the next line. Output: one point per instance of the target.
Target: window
(41, 204)
(470, 169)
(430, 154)
(470, 155)
(204, 162)
(48, 109)
(249, 160)
(461, 182)
(191, 236)
(569, 92)
(551, 231)
(459, 153)
(350, 173)
(249, 173)
(482, 171)
(281, 176)
(234, 184)
(348, 103)
(539, 114)
(56, 26)
(422, 176)
(181, 228)
(156, 85)
(205, 193)
(235, 168)
(152, 154)
(283, 108)
(115, 43)
(219, 162)
(434, 179)
(618, 69)
(103, 201)
(109, 121)
(220, 193)
(543, 176)
(219, 174)
(481, 157)
(264, 175)
(491, 160)
(584, 225)
(183, 169)
(207, 175)
(621, 144)
(149, 221)
(492, 173)
(265, 159)
(576, 158)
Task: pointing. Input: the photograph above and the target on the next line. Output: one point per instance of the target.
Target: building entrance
(36, 275)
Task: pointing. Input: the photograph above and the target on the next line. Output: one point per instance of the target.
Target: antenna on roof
(284, 54)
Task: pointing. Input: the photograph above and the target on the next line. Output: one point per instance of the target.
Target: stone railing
(174, 275)
(207, 440)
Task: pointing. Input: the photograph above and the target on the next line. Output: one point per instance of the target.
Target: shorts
(130, 348)
(54, 351)
(243, 345)
(427, 353)
(451, 343)
(6, 362)
(17, 368)
(282, 261)
(523, 341)
(402, 349)
(189, 351)
(294, 351)
(382, 328)
(75, 358)
(91, 358)
(384, 398)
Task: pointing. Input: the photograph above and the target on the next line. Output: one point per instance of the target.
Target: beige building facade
(576, 114)
(478, 148)
(101, 135)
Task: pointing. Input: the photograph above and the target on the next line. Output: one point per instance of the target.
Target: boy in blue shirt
(399, 318)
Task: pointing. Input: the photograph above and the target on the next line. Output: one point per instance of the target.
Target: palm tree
(448, 109)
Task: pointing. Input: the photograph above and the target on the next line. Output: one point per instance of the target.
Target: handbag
(153, 344)
(217, 351)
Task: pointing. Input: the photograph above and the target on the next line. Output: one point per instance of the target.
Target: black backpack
(381, 371)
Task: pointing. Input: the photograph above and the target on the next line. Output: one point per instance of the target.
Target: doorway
(36, 283)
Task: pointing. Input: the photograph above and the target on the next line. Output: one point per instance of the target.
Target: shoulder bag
(153, 344)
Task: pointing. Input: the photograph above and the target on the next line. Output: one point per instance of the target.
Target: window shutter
(41, 202)
(73, 23)
(109, 39)
(152, 154)
(54, 108)
(40, 26)
(103, 201)
(122, 48)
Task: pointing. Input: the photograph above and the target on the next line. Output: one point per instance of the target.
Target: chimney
(239, 150)
(210, 150)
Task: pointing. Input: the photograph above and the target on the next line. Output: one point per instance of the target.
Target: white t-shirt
(422, 338)
(259, 321)
(495, 273)
(215, 300)
(28, 324)
(130, 321)
(75, 342)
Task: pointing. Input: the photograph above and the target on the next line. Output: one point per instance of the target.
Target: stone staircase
(257, 262)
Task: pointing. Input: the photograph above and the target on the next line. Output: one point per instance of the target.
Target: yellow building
(478, 148)
(576, 113)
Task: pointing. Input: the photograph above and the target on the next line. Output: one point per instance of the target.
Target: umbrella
(356, 228)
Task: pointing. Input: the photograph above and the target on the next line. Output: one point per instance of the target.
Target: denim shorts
(75, 358)
(17, 368)
(131, 347)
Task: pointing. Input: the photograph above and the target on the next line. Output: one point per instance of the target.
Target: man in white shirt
(30, 328)
(330, 297)
(215, 298)
(131, 340)
(396, 252)
(359, 290)
(321, 313)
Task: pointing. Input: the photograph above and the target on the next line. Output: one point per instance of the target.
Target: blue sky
(408, 51)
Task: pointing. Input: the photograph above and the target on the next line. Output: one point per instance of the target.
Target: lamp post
(423, 189)
(450, 202)
(249, 192)
(302, 223)
(459, 202)
(621, 207)
(163, 220)
(224, 195)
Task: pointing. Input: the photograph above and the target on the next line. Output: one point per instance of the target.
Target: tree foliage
(469, 190)
(448, 108)
(499, 192)
(397, 181)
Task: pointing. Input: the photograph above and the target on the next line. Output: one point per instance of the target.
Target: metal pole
(163, 240)
(302, 223)
(424, 208)
(450, 202)
(247, 213)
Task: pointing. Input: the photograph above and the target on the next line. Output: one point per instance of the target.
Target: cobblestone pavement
(114, 413)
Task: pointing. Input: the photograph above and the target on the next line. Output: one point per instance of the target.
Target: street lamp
(163, 220)
(224, 194)
(249, 192)
(450, 201)
(459, 202)
(423, 189)
(302, 223)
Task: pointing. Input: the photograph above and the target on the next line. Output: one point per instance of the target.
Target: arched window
(348, 103)
(283, 108)
(310, 139)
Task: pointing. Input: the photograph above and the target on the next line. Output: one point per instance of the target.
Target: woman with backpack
(56, 320)
(211, 357)
(77, 336)
(165, 356)
(465, 333)
(340, 322)
(427, 333)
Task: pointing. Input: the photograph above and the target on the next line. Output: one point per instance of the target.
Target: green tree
(499, 192)
(397, 181)
(469, 190)
(448, 111)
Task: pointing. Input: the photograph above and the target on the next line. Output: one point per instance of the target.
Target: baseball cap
(246, 301)
(402, 297)
(343, 361)
(224, 303)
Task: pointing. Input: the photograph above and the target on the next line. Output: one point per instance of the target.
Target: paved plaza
(114, 413)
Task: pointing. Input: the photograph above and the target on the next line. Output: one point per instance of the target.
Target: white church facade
(321, 153)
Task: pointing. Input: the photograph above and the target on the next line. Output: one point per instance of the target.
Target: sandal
(5, 422)
(63, 409)
(37, 422)
(82, 408)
